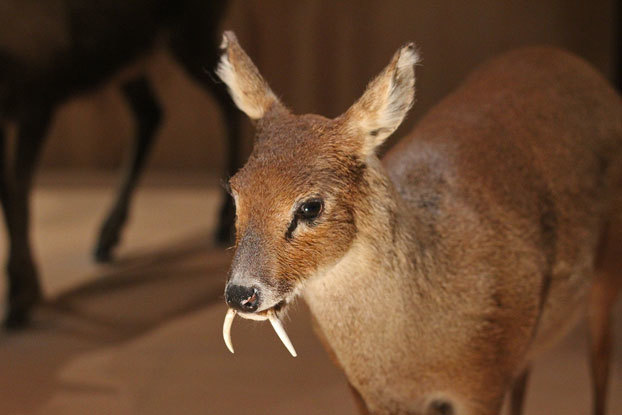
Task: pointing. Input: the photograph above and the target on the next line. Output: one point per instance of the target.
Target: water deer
(437, 275)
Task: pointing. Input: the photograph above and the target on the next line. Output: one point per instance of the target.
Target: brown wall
(318, 56)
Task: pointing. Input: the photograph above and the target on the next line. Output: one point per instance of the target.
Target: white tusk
(280, 331)
(226, 328)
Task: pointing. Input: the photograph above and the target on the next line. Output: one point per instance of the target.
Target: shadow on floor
(135, 295)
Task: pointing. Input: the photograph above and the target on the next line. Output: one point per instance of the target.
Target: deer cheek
(326, 248)
(300, 260)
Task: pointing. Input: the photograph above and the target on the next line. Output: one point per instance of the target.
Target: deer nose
(242, 298)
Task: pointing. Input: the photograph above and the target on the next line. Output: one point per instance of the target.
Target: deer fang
(226, 328)
(269, 315)
(280, 331)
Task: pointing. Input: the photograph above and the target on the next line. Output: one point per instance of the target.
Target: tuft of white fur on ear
(386, 101)
(249, 90)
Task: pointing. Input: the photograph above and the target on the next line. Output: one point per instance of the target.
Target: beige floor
(143, 336)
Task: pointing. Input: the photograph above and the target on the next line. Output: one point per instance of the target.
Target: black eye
(310, 209)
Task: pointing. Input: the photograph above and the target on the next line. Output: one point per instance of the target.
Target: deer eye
(310, 209)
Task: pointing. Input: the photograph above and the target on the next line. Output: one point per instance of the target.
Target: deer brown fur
(436, 276)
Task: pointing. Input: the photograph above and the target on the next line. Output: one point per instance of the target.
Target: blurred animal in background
(51, 50)
(436, 276)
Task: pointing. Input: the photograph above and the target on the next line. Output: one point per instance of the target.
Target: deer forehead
(282, 133)
(293, 158)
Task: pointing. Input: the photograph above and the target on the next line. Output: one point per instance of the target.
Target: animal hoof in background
(17, 319)
(19, 312)
(102, 253)
(108, 240)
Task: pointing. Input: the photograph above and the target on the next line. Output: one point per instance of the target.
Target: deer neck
(362, 304)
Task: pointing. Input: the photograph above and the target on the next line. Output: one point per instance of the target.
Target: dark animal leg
(148, 115)
(24, 287)
(517, 396)
(231, 118)
(231, 115)
(195, 46)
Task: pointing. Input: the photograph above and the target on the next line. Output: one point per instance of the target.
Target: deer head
(304, 190)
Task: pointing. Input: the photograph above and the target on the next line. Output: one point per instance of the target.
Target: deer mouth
(270, 314)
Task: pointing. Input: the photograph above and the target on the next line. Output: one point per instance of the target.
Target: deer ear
(386, 101)
(249, 90)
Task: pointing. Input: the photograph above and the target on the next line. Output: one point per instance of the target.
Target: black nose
(242, 298)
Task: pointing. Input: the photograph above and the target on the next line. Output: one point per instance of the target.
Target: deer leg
(602, 299)
(4, 190)
(24, 286)
(517, 395)
(358, 400)
(148, 115)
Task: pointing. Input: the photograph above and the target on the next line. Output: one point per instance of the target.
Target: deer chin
(270, 314)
